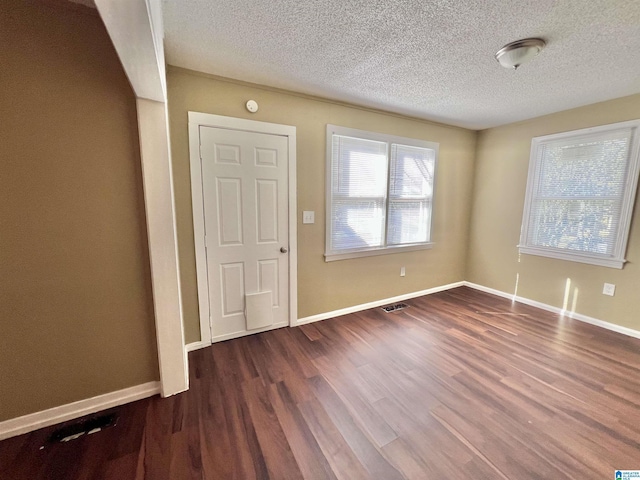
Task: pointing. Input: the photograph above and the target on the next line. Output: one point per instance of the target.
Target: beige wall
(76, 312)
(500, 183)
(324, 287)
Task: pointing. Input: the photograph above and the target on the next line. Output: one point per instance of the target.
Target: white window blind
(580, 194)
(410, 192)
(359, 186)
(380, 193)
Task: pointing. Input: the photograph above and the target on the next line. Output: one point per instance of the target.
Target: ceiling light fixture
(514, 54)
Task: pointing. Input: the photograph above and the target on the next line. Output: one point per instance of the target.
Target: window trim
(616, 260)
(389, 139)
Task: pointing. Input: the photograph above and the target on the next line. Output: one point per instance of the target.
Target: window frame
(389, 140)
(616, 259)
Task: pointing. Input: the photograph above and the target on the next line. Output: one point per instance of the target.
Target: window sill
(573, 257)
(332, 257)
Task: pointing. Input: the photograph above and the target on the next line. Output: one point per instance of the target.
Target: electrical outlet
(402, 272)
(609, 289)
(308, 217)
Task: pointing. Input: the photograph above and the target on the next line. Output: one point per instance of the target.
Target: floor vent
(86, 426)
(395, 307)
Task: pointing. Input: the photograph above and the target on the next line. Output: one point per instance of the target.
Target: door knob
(283, 250)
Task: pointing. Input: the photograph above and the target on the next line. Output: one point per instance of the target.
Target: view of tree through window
(380, 193)
(410, 193)
(578, 195)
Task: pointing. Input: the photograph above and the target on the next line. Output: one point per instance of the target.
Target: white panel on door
(232, 283)
(227, 153)
(268, 279)
(267, 206)
(230, 211)
(266, 157)
(259, 311)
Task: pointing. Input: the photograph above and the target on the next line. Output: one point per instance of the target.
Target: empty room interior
(319, 240)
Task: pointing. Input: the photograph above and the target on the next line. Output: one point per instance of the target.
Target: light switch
(308, 217)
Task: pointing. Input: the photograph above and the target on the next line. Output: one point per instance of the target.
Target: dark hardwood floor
(460, 385)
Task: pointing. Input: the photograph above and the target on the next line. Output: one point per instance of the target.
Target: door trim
(196, 120)
(135, 29)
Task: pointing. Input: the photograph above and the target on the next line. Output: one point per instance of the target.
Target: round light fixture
(514, 54)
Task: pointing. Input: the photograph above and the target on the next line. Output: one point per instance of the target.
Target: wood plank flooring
(461, 384)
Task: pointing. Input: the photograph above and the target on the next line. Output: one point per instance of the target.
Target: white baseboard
(377, 303)
(196, 346)
(51, 416)
(335, 313)
(550, 308)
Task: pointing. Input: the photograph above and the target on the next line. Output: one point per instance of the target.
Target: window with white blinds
(380, 193)
(580, 194)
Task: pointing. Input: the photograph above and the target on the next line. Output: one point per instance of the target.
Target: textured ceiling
(428, 59)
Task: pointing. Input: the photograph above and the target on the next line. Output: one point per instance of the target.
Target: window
(379, 193)
(580, 194)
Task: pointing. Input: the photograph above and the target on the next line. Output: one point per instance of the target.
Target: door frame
(197, 120)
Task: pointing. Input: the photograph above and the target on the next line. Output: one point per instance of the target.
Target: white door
(246, 223)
